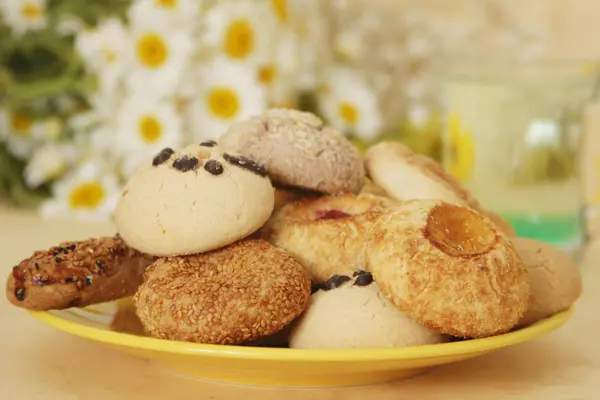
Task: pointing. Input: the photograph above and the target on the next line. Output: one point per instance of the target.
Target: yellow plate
(281, 366)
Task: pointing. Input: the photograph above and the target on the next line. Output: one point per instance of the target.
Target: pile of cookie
(283, 234)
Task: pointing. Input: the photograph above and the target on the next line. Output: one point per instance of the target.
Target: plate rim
(466, 347)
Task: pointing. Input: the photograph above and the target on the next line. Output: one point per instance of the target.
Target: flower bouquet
(89, 89)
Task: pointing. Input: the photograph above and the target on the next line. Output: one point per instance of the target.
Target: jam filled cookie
(194, 200)
(239, 293)
(327, 235)
(351, 312)
(298, 150)
(77, 274)
(448, 267)
(554, 279)
(405, 175)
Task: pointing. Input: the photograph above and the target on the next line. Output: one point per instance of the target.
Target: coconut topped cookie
(193, 200)
(299, 150)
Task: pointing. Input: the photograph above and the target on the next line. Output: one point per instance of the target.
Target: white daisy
(20, 132)
(177, 14)
(227, 92)
(351, 106)
(145, 126)
(104, 50)
(159, 57)
(243, 30)
(48, 163)
(24, 15)
(90, 192)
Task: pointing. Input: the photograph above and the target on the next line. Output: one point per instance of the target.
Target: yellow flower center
(87, 195)
(109, 55)
(20, 124)
(152, 50)
(280, 8)
(239, 39)
(166, 3)
(348, 113)
(267, 74)
(223, 103)
(31, 11)
(150, 129)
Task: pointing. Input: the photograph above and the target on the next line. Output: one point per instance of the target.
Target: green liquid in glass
(560, 230)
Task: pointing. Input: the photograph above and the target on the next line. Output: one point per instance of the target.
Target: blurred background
(502, 93)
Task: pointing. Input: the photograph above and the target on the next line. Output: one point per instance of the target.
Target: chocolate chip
(209, 143)
(185, 163)
(58, 260)
(162, 156)
(335, 281)
(364, 279)
(214, 167)
(360, 272)
(315, 287)
(20, 293)
(246, 163)
(37, 266)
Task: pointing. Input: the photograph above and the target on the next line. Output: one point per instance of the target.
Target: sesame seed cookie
(554, 278)
(448, 267)
(195, 200)
(239, 293)
(299, 150)
(327, 234)
(352, 312)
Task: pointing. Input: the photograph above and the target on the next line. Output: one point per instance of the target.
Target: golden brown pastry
(448, 267)
(327, 235)
(239, 293)
(405, 175)
(77, 274)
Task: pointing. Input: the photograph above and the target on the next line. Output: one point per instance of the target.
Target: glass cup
(512, 133)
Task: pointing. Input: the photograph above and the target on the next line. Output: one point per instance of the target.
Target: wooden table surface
(42, 363)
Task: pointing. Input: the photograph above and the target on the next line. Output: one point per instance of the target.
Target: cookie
(299, 151)
(405, 175)
(448, 267)
(327, 235)
(286, 195)
(236, 294)
(194, 200)
(554, 279)
(76, 274)
(371, 188)
(356, 314)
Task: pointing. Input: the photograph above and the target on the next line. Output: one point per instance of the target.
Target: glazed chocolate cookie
(239, 293)
(298, 150)
(448, 267)
(76, 274)
(194, 200)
